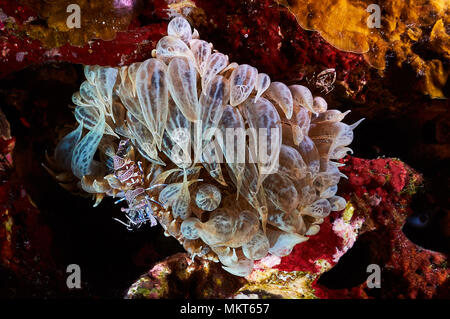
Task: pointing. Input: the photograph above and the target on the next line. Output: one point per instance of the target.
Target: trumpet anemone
(231, 164)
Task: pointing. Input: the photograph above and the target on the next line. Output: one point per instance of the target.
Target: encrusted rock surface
(178, 276)
(401, 122)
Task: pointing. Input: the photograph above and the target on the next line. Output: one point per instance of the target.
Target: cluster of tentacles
(178, 137)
